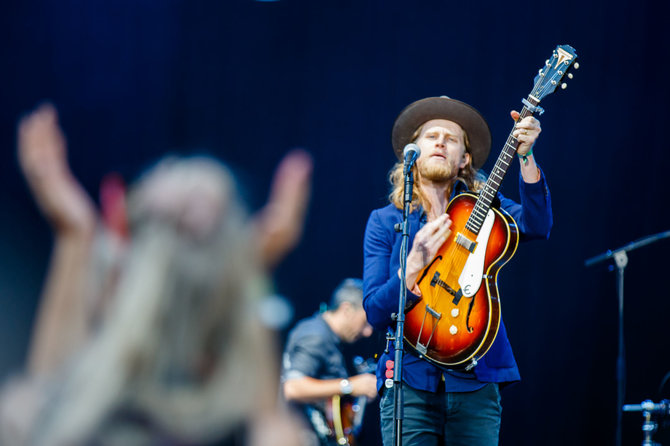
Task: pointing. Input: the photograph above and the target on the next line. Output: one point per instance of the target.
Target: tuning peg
(564, 86)
(576, 65)
(570, 76)
(547, 63)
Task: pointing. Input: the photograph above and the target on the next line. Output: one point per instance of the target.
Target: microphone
(410, 155)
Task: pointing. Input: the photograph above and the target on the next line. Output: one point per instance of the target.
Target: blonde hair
(469, 175)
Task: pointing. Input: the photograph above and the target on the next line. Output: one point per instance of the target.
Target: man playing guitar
(314, 375)
(444, 405)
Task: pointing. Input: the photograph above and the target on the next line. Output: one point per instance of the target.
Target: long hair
(180, 342)
(469, 175)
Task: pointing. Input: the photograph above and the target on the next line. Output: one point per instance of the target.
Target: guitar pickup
(466, 242)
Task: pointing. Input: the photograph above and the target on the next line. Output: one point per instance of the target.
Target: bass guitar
(457, 319)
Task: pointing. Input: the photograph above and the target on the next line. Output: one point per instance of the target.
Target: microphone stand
(650, 425)
(398, 401)
(621, 260)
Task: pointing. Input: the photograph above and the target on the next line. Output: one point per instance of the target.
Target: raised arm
(61, 322)
(279, 224)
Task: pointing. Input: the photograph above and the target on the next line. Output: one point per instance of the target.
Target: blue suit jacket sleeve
(533, 215)
(380, 287)
(382, 260)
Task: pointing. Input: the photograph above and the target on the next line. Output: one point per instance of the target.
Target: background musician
(314, 368)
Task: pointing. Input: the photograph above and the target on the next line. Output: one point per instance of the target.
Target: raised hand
(43, 159)
(280, 222)
(525, 131)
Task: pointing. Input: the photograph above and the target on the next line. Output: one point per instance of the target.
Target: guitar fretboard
(548, 78)
(490, 189)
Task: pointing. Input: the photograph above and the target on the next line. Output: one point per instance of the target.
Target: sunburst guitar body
(457, 319)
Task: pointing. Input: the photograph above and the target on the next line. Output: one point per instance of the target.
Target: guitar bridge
(437, 281)
(423, 348)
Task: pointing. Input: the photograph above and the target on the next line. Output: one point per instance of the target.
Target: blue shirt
(381, 286)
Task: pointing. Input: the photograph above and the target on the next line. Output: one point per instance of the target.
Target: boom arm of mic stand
(629, 247)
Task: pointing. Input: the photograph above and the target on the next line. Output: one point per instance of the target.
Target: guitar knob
(454, 312)
(453, 329)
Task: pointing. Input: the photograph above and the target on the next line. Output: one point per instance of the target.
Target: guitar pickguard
(471, 277)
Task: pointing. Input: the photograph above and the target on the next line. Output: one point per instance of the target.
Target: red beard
(437, 169)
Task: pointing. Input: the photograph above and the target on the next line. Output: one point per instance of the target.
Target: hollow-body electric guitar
(457, 319)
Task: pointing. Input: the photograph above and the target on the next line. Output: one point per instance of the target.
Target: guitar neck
(492, 185)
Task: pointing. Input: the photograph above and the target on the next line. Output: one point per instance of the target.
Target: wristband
(524, 158)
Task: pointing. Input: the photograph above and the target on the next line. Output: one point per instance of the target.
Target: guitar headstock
(554, 70)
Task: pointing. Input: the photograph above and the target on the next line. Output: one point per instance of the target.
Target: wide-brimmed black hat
(423, 110)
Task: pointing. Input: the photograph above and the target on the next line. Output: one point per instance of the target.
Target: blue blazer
(381, 283)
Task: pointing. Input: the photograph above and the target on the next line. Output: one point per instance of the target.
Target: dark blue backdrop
(248, 80)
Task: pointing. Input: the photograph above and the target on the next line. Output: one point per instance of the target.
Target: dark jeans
(444, 419)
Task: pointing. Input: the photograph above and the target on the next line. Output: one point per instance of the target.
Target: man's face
(443, 152)
(356, 325)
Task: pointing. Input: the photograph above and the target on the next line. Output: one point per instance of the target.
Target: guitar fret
(477, 219)
(479, 213)
(474, 228)
(480, 208)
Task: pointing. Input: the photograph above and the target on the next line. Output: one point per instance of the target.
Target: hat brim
(424, 110)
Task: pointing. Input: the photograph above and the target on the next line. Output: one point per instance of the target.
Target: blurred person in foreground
(314, 373)
(151, 336)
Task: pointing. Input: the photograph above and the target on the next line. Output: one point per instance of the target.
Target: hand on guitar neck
(526, 132)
